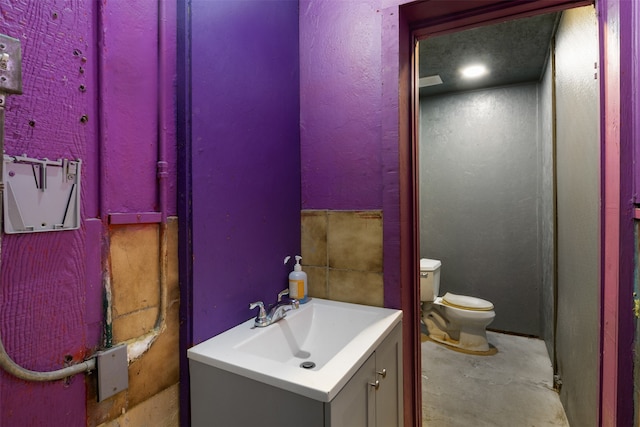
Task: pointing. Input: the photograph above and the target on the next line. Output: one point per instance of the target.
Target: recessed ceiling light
(474, 71)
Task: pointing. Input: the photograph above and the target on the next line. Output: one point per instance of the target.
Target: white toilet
(454, 320)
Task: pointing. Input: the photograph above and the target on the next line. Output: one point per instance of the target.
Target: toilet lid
(466, 303)
(427, 264)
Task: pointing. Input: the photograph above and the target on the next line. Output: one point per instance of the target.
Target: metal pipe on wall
(137, 346)
(163, 165)
(102, 181)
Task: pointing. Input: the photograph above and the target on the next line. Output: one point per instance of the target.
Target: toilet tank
(429, 279)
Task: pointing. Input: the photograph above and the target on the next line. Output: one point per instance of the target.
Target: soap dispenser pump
(298, 282)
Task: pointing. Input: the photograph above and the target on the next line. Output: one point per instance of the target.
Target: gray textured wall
(486, 205)
(547, 210)
(578, 160)
(479, 169)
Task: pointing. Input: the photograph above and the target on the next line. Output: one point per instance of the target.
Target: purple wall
(127, 124)
(42, 292)
(239, 145)
(51, 290)
(341, 104)
(245, 158)
(349, 68)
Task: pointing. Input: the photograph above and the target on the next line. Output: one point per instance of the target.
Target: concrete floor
(513, 388)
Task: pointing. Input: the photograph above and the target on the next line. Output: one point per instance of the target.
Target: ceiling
(514, 52)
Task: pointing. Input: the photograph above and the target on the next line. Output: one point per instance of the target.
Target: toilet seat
(464, 302)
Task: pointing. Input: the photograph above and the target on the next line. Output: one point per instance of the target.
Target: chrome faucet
(276, 312)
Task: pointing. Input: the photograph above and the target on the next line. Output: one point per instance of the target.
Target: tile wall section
(342, 255)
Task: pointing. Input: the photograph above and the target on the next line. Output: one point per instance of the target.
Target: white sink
(336, 337)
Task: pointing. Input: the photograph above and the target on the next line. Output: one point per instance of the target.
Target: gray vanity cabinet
(355, 405)
(221, 398)
(389, 402)
(373, 396)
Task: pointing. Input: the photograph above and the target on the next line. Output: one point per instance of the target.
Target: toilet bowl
(458, 321)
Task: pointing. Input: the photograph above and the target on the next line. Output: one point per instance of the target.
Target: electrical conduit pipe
(5, 360)
(136, 347)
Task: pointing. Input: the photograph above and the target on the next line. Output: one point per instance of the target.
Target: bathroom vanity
(373, 396)
(326, 364)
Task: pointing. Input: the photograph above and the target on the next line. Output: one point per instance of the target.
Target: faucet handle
(261, 318)
(282, 293)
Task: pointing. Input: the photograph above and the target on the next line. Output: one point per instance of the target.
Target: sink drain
(307, 365)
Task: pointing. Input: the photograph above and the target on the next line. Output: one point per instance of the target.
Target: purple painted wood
(628, 171)
(135, 218)
(391, 131)
(618, 22)
(94, 310)
(167, 85)
(245, 157)
(129, 96)
(43, 275)
(51, 289)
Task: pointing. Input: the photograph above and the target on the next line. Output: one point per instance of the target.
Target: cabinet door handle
(382, 373)
(375, 385)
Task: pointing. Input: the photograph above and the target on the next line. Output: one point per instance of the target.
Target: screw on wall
(82, 88)
(84, 118)
(32, 123)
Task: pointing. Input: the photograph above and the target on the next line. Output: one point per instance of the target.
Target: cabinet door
(354, 406)
(389, 374)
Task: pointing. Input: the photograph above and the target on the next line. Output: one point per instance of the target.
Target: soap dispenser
(298, 282)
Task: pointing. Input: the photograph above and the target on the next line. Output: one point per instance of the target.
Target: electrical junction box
(10, 65)
(41, 194)
(113, 371)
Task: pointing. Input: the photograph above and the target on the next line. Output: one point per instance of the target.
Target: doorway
(490, 205)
